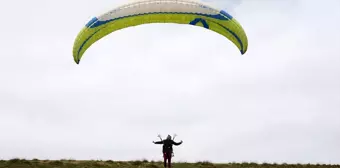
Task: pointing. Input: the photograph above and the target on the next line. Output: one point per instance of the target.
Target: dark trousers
(167, 157)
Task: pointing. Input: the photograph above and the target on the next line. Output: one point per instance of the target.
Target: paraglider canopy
(160, 11)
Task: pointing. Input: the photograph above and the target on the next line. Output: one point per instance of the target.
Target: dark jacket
(167, 145)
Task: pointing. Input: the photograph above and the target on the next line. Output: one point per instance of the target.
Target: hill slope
(21, 163)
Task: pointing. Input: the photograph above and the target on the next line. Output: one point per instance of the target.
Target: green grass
(35, 163)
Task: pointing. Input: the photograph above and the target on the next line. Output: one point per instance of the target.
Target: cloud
(277, 103)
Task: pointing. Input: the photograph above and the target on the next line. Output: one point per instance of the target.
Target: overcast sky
(280, 102)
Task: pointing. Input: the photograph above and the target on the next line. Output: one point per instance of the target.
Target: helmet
(168, 137)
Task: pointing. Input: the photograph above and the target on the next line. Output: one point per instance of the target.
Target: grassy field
(35, 163)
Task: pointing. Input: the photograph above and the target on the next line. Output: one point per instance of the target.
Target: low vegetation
(35, 163)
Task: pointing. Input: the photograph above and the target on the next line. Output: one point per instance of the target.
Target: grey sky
(280, 102)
